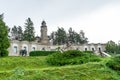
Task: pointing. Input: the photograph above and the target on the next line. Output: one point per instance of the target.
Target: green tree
(111, 47)
(71, 36)
(1, 16)
(20, 33)
(29, 33)
(76, 38)
(60, 36)
(83, 39)
(4, 41)
(52, 35)
(17, 33)
(14, 33)
(118, 49)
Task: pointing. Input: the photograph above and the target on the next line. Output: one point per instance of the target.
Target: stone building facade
(46, 44)
(16, 46)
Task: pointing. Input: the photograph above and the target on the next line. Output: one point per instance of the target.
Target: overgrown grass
(35, 68)
(114, 63)
(9, 63)
(88, 71)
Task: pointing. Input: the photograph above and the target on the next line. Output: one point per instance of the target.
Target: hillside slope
(88, 71)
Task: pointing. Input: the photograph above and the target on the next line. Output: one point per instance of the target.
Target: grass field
(35, 68)
(9, 63)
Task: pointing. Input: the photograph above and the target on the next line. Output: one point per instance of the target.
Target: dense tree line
(28, 34)
(58, 37)
(17, 33)
(62, 37)
(112, 47)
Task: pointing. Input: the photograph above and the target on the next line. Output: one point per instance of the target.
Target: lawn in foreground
(88, 71)
(35, 68)
(10, 63)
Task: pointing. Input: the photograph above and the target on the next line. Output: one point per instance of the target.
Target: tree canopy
(59, 37)
(4, 41)
(112, 47)
(29, 34)
(62, 37)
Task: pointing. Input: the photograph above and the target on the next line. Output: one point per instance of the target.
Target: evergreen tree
(60, 36)
(118, 49)
(71, 35)
(17, 33)
(4, 41)
(8, 29)
(29, 33)
(20, 33)
(1, 16)
(14, 33)
(111, 47)
(83, 39)
(52, 36)
(76, 38)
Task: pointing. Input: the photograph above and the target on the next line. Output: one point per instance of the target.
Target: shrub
(114, 63)
(72, 53)
(41, 53)
(4, 53)
(88, 51)
(55, 59)
(71, 57)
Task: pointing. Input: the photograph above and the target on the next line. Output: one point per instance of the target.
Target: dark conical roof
(43, 23)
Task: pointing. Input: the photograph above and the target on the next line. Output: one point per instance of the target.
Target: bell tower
(44, 37)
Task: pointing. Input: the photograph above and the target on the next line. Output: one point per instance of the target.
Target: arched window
(25, 48)
(43, 49)
(33, 48)
(93, 49)
(85, 49)
(77, 48)
(99, 49)
(15, 49)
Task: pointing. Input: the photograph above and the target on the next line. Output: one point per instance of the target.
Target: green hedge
(88, 51)
(114, 63)
(71, 57)
(41, 53)
(4, 53)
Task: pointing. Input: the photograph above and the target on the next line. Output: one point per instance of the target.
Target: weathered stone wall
(16, 46)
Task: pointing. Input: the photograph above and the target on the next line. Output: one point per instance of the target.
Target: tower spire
(44, 37)
(43, 23)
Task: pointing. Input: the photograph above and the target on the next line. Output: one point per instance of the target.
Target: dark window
(33, 48)
(43, 49)
(99, 49)
(85, 49)
(77, 48)
(93, 49)
(25, 48)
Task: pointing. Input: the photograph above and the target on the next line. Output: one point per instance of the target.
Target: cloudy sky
(99, 19)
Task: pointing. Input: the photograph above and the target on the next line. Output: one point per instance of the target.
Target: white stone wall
(16, 46)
